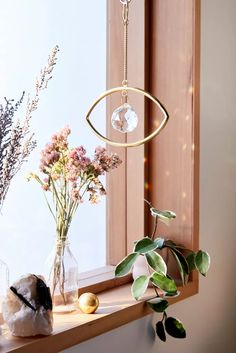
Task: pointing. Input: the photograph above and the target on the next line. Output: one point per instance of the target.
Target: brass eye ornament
(124, 118)
(139, 91)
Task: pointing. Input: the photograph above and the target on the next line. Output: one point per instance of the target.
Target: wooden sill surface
(116, 308)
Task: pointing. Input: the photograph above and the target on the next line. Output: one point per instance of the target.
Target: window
(29, 29)
(164, 59)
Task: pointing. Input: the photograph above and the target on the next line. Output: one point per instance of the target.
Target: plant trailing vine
(164, 286)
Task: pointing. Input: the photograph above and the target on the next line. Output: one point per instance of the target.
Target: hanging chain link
(124, 2)
(125, 16)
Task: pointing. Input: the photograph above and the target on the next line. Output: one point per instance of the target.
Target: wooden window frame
(127, 217)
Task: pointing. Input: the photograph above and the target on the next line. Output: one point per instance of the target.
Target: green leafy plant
(164, 286)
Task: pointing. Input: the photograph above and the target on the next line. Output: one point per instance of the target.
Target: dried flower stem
(68, 176)
(16, 142)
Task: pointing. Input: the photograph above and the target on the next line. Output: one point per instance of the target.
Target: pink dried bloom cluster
(75, 168)
(54, 150)
(77, 163)
(70, 175)
(103, 163)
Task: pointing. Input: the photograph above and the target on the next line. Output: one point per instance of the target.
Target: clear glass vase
(4, 284)
(63, 278)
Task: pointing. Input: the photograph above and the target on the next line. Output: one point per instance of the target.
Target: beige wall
(210, 317)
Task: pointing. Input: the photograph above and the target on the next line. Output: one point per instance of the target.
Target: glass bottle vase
(4, 284)
(63, 278)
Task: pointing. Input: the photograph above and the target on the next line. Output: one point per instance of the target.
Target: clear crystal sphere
(124, 118)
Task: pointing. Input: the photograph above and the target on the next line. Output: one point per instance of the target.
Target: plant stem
(155, 228)
(149, 203)
(164, 316)
(56, 193)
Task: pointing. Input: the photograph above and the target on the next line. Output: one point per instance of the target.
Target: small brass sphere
(88, 303)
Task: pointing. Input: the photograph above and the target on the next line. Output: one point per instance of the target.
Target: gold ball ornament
(88, 303)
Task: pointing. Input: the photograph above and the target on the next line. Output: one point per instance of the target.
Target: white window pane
(28, 30)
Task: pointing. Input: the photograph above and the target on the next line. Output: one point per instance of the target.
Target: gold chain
(125, 16)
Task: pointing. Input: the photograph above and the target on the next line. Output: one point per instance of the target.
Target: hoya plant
(150, 248)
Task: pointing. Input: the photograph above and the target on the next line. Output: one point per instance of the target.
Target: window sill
(116, 308)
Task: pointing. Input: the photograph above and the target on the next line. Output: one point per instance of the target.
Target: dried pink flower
(104, 163)
(75, 195)
(93, 198)
(71, 174)
(45, 187)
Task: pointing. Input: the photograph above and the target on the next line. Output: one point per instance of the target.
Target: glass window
(28, 30)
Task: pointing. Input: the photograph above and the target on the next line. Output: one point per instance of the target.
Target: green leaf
(169, 243)
(182, 264)
(156, 262)
(175, 328)
(159, 305)
(160, 331)
(202, 262)
(173, 295)
(164, 216)
(159, 242)
(191, 261)
(145, 245)
(163, 282)
(125, 265)
(139, 286)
